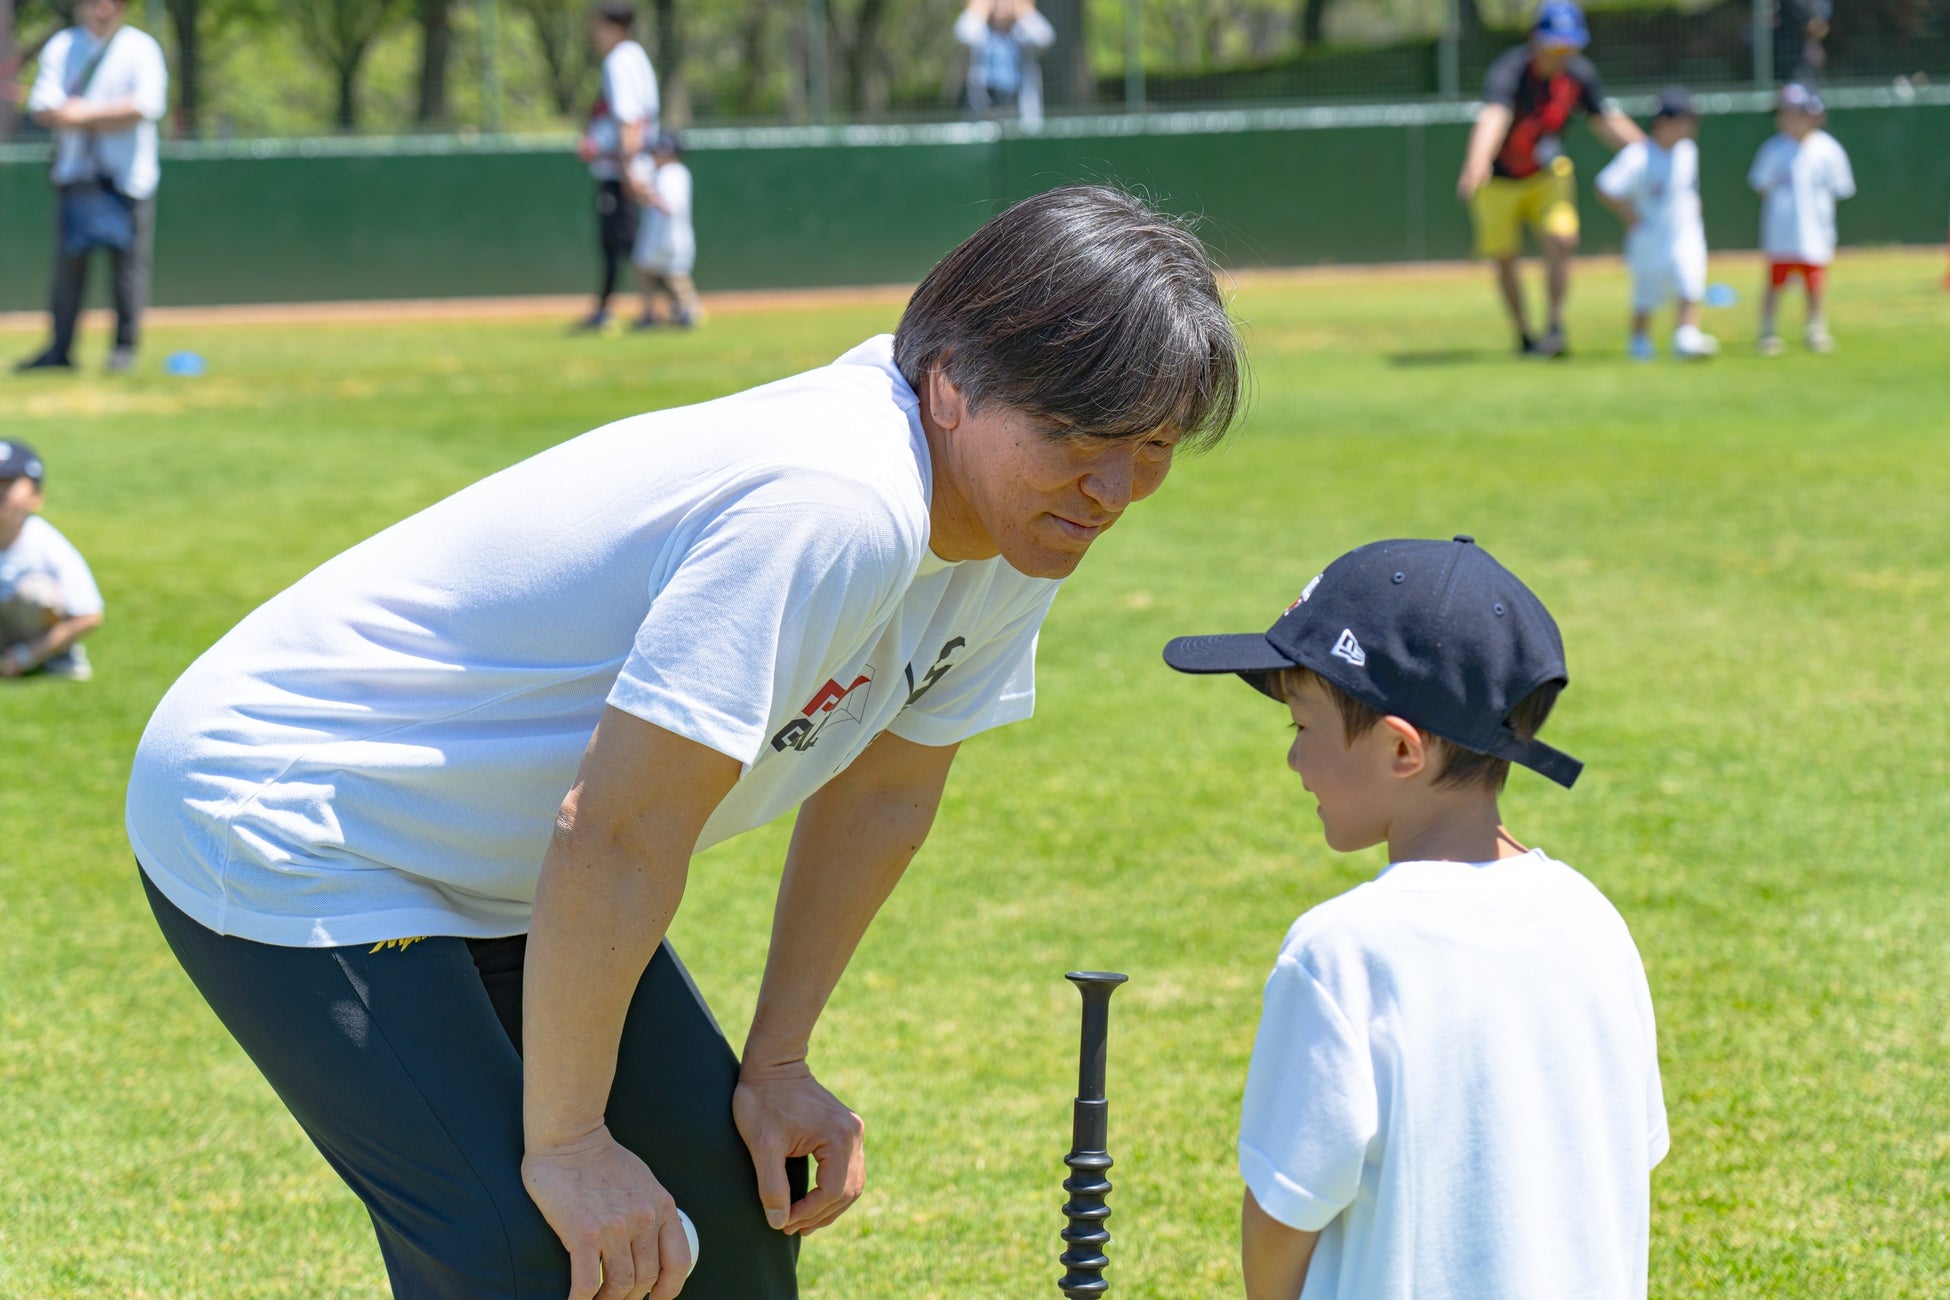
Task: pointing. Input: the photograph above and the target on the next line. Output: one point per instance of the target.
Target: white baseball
(690, 1236)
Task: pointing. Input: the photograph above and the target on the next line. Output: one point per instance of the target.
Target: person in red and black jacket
(1516, 174)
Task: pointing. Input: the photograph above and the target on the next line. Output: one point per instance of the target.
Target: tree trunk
(1313, 21)
(347, 116)
(1066, 65)
(669, 61)
(185, 18)
(8, 70)
(436, 48)
(860, 52)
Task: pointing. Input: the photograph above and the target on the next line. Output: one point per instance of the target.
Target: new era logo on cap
(1346, 647)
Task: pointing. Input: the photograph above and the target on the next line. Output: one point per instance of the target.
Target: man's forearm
(600, 912)
(850, 847)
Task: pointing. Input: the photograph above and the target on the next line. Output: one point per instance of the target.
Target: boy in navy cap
(1455, 1087)
(48, 597)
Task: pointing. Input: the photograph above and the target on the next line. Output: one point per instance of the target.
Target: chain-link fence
(248, 69)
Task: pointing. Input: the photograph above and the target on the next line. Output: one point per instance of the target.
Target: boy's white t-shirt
(1662, 185)
(666, 243)
(1456, 1082)
(380, 751)
(1799, 182)
(629, 94)
(40, 549)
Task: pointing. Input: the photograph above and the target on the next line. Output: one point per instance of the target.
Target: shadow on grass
(1445, 357)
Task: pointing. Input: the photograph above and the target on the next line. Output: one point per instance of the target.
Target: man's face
(1037, 497)
(101, 17)
(1547, 60)
(1347, 781)
(604, 35)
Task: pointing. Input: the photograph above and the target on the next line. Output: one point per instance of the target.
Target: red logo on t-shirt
(831, 703)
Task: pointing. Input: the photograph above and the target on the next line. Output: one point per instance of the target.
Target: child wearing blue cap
(1455, 1087)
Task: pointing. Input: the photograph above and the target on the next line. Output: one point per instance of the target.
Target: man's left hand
(783, 1112)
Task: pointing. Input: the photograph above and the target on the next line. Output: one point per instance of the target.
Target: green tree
(339, 33)
(561, 32)
(435, 19)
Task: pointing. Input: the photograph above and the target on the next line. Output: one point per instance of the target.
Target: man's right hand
(619, 1224)
(1474, 176)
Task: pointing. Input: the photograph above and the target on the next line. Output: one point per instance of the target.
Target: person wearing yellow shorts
(1515, 175)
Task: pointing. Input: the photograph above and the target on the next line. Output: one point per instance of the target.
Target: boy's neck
(1460, 826)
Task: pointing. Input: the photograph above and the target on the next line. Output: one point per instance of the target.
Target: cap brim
(1248, 654)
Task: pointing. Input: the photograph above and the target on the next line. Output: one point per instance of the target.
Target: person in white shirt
(621, 123)
(1005, 39)
(1799, 174)
(1653, 187)
(666, 243)
(101, 89)
(417, 826)
(48, 596)
(1455, 1089)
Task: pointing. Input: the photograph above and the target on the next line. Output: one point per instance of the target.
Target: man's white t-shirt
(1456, 1082)
(132, 69)
(1799, 183)
(629, 94)
(381, 750)
(666, 243)
(41, 550)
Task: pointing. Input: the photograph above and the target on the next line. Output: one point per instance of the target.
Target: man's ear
(1409, 752)
(946, 405)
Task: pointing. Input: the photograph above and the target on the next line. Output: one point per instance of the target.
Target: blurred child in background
(1653, 187)
(1799, 174)
(666, 244)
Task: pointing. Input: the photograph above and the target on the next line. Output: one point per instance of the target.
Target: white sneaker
(1770, 345)
(1819, 339)
(1691, 341)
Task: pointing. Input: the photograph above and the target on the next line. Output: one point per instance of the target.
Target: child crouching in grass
(1455, 1087)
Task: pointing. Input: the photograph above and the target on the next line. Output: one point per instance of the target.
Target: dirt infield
(568, 307)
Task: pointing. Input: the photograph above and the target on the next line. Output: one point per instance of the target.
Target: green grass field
(1750, 563)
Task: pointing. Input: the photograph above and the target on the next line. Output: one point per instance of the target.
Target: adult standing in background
(1800, 38)
(101, 90)
(621, 122)
(1516, 174)
(1004, 40)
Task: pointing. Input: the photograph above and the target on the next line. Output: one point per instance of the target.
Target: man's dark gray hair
(617, 13)
(1084, 307)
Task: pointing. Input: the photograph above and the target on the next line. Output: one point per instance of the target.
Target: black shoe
(596, 322)
(646, 322)
(1553, 345)
(1526, 345)
(45, 361)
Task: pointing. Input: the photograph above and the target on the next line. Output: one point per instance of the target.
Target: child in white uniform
(1455, 1089)
(1799, 174)
(48, 596)
(666, 244)
(1653, 186)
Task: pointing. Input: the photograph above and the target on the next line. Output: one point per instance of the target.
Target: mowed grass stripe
(1749, 564)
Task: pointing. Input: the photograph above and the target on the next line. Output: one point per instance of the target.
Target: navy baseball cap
(1800, 95)
(1437, 633)
(1676, 101)
(1560, 22)
(18, 460)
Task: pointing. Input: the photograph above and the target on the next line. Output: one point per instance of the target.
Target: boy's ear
(1409, 752)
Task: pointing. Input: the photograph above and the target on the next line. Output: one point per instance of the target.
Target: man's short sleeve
(1591, 86)
(631, 84)
(151, 90)
(992, 686)
(1505, 74)
(49, 91)
(766, 586)
(1310, 1108)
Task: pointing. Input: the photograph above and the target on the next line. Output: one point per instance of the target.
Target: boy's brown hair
(1456, 766)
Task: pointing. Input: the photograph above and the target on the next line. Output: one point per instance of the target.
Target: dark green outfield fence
(271, 221)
